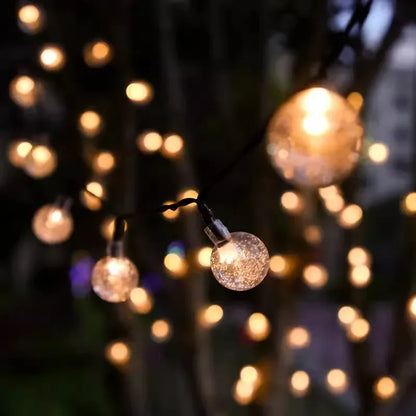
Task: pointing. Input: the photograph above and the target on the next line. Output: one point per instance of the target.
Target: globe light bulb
(52, 57)
(53, 224)
(314, 139)
(97, 54)
(40, 162)
(18, 151)
(239, 261)
(114, 276)
(24, 91)
(30, 19)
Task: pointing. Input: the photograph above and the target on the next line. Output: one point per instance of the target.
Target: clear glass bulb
(315, 138)
(52, 224)
(240, 262)
(114, 276)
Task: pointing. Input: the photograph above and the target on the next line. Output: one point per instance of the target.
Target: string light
(409, 204)
(114, 276)
(334, 204)
(315, 276)
(251, 375)
(24, 91)
(210, 316)
(328, 191)
(359, 256)
(90, 201)
(97, 54)
(358, 330)
(30, 19)
(356, 100)
(149, 141)
(385, 388)
(299, 383)
(40, 162)
(243, 392)
(350, 216)
(161, 331)
(347, 315)
(316, 136)
(292, 202)
(411, 308)
(204, 256)
(378, 153)
(52, 57)
(103, 162)
(175, 264)
(141, 300)
(53, 224)
(281, 266)
(360, 276)
(188, 193)
(90, 123)
(172, 146)
(18, 151)
(337, 381)
(139, 92)
(107, 227)
(118, 353)
(298, 337)
(312, 234)
(170, 215)
(257, 327)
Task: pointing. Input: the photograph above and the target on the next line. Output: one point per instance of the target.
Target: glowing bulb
(52, 57)
(359, 256)
(18, 151)
(103, 162)
(172, 146)
(40, 162)
(161, 331)
(251, 375)
(356, 100)
(315, 276)
(347, 315)
(118, 353)
(97, 54)
(24, 91)
(30, 19)
(141, 300)
(90, 123)
(385, 388)
(328, 191)
(90, 201)
(243, 392)
(257, 327)
(114, 276)
(299, 383)
(334, 204)
(411, 308)
(204, 256)
(170, 215)
(52, 224)
(292, 202)
(409, 204)
(358, 330)
(107, 228)
(378, 153)
(313, 234)
(337, 381)
(175, 264)
(210, 316)
(314, 139)
(298, 337)
(360, 276)
(350, 216)
(139, 92)
(149, 142)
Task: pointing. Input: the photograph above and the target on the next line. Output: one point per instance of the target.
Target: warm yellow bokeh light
(315, 276)
(30, 18)
(378, 153)
(356, 100)
(149, 141)
(299, 383)
(188, 193)
(90, 123)
(312, 234)
(97, 54)
(409, 203)
(358, 256)
(18, 151)
(139, 92)
(103, 162)
(347, 315)
(107, 227)
(243, 392)
(336, 381)
(161, 330)
(315, 124)
(358, 330)
(250, 374)
(281, 266)
(175, 264)
(24, 91)
(95, 188)
(350, 216)
(41, 161)
(328, 191)
(257, 327)
(210, 316)
(141, 300)
(292, 202)
(360, 276)
(334, 204)
(169, 214)
(172, 146)
(317, 100)
(298, 337)
(411, 307)
(52, 57)
(204, 256)
(385, 388)
(89, 201)
(118, 353)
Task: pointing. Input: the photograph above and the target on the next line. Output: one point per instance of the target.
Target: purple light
(80, 274)
(152, 282)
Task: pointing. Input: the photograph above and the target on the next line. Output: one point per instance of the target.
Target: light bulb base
(115, 249)
(217, 232)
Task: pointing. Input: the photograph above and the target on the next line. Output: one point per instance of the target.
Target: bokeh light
(103, 162)
(18, 151)
(169, 214)
(161, 331)
(139, 92)
(118, 353)
(358, 330)
(409, 204)
(30, 18)
(378, 153)
(40, 162)
(292, 202)
(385, 388)
(140, 300)
(210, 316)
(176, 265)
(298, 337)
(172, 146)
(347, 315)
(257, 327)
(24, 91)
(411, 307)
(315, 276)
(90, 123)
(243, 392)
(52, 57)
(97, 54)
(107, 227)
(299, 383)
(336, 381)
(360, 276)
(356, 100)
(350, 216)
(359, 256)
(312, 234)
(204, 256)
(149, 141)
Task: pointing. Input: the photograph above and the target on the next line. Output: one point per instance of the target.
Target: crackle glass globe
(241, 263)
(314, 139)
(113, 278)
(52, 224)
